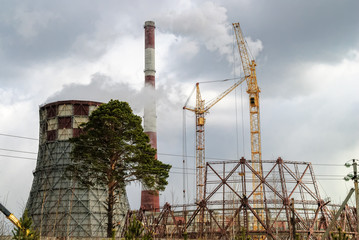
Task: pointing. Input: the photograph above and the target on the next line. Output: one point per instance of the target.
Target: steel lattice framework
(291, 206)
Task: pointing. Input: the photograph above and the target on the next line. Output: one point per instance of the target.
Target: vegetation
(243, 235)
(113, 151)
(185, 235)
(26, 232)
(135, 231)
(340, 236)
(298, 236)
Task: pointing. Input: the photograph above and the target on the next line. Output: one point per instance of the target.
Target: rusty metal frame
(216, 216)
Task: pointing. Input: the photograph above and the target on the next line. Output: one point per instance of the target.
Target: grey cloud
(39, 33)
(205, 22)
(294, 33)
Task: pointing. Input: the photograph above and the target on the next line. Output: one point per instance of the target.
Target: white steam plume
(102, 88)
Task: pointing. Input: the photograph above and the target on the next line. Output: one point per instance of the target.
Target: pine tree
(25, 232)
(134, 229)
(114, 151)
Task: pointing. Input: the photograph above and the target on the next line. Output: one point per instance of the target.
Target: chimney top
(149, 24)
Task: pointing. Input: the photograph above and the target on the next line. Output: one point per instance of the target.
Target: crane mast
(249, 68)
(200, 110)
(200, 144)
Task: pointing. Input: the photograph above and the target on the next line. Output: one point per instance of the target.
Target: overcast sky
(307, 55)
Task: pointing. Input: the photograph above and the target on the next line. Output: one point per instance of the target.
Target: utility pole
(354, 177)
(326, 234)
(355, 170)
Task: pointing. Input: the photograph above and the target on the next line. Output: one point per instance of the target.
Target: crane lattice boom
(200, 110)
(249, 68)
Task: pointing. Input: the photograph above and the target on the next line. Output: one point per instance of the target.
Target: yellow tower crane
(249, 69)
(200, 110)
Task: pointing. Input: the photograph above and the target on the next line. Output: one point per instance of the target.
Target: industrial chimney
(150, 198)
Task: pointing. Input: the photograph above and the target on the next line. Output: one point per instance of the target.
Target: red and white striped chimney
(150, 198)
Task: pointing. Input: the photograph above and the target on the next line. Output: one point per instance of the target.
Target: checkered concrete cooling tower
(58, 206)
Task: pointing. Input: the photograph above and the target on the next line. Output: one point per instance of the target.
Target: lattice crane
(249, 69)
(200, 110)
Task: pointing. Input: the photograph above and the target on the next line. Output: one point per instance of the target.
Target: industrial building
(262, 199)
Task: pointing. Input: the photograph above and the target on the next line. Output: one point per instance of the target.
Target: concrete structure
(58, 206)
(150, 198)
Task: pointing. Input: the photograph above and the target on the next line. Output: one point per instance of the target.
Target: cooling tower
(58, 206)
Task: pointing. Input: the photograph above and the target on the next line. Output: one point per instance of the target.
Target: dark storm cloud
(38, 31)
(320, 30)
(297, 32)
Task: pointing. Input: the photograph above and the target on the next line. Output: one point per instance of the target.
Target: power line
(9, 156)
(11, 150)
(318, 177)
(164, 154)
(221, 80)
(15, 136)
(330, 177)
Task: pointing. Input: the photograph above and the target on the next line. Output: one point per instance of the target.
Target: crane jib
(4, 210)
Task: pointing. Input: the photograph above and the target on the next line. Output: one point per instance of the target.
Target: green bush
(25, 232)
(135, 231)
(340, 236)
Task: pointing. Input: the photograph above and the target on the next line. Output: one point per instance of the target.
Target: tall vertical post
(293, 221)
(149, 197)
(200, 145)
(355, 170)
(326, 234)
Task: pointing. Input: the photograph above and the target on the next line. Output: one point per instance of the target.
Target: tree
(135, 231)
(25, 232)
(113, 151)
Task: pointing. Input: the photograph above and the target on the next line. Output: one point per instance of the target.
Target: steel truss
(291, 206)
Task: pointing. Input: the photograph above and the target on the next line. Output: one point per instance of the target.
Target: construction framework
(292, 205)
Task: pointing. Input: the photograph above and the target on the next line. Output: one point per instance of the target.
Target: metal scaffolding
(292, 206)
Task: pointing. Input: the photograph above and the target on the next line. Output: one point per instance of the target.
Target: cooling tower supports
(150, 198)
